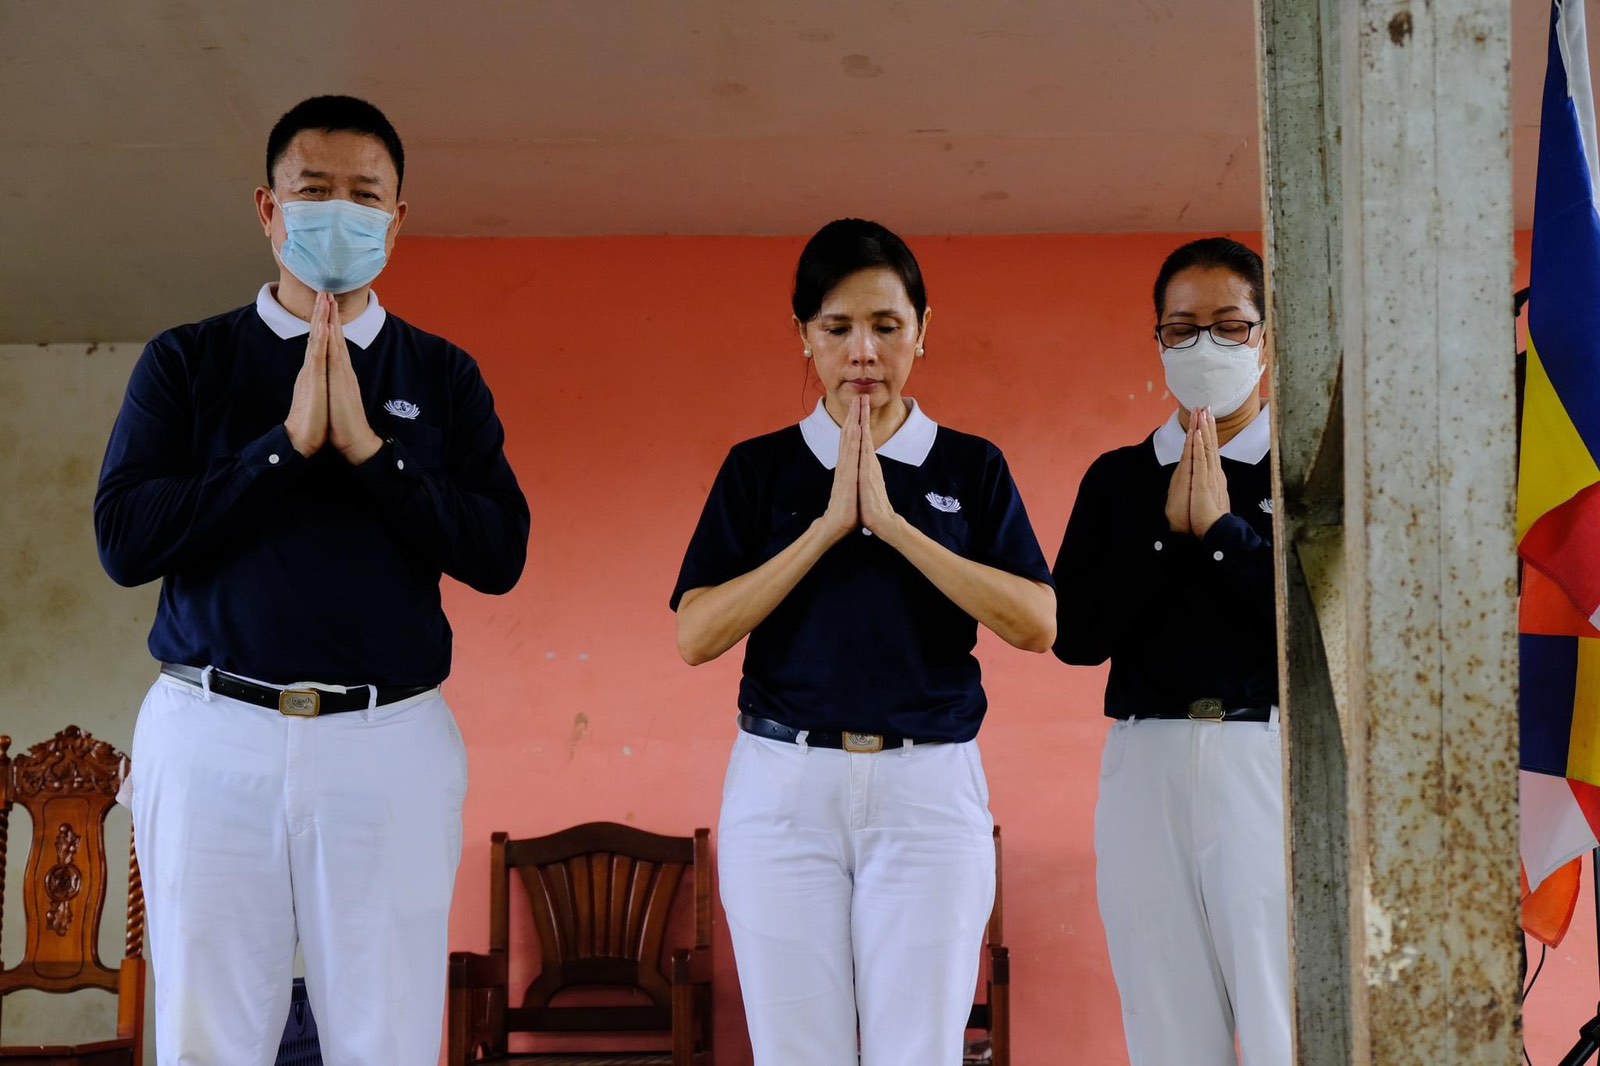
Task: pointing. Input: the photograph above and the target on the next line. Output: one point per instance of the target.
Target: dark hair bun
(848, 246)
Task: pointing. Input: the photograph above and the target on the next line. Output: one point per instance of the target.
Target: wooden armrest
(130, 1005)
(476, 1008)
(691, 1005)
(999, 964)
(690, 967)
(471, 970)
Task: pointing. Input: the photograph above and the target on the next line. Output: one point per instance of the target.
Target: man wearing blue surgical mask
(298, 473)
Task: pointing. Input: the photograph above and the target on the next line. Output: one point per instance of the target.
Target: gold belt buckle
(299, 703)
(1207, 710)
(863, 743)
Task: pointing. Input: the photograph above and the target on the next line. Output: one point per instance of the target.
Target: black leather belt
(1212, 710)
(822, 738)
(296, 702)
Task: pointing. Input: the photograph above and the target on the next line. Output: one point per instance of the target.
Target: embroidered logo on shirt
(947, 504)
(402, 408)
(1266, 505)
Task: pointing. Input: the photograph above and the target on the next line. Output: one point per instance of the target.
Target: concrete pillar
(1303, 248)
(1388, 225)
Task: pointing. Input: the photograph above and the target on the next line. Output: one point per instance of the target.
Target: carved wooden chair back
(601, 896)
(67, 785)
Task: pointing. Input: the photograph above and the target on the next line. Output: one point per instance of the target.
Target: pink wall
(624, 368)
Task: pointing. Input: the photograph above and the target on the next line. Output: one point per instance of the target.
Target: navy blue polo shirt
(1180, 617)
(285, 569)
(864, 642)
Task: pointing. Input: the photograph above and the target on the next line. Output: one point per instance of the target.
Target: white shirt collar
(360, 331)
(910, 444)
(1250, 446)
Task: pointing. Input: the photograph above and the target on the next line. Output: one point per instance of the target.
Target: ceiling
(132, 133)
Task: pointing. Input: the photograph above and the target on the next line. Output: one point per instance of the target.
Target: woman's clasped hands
(1198, 494)
(859, 499)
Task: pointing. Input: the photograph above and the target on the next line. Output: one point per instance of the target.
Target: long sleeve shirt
(1180, 617)
(283, 568)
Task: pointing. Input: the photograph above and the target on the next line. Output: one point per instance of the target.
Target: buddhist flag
(1558, 498)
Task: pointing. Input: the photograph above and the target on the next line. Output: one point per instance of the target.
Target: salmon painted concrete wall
(624, 368)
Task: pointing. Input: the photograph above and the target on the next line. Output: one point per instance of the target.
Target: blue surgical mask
(333, 245)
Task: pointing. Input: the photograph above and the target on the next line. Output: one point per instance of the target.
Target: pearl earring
(808, 353)
(919, 351)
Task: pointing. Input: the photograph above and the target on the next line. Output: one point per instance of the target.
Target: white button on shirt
(1217, 556)
(273, 458)
(1158, 545)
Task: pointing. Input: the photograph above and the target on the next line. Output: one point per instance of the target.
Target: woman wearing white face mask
(1166, 570)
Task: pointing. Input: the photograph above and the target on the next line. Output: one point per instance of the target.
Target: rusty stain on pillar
(1388, 227)
(1429, 556)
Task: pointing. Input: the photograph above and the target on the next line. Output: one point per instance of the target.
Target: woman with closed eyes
(859, 551)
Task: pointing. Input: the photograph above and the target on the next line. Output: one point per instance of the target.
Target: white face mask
(1216, 376)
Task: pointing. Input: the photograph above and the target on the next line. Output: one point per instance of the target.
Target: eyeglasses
(1229, 333)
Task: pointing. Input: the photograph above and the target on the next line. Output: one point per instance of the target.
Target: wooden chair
(991, 1016)
(67, 785)
(601, 895)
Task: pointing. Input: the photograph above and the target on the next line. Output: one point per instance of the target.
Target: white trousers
(255, 831)
(1189, 842)
(857, 888)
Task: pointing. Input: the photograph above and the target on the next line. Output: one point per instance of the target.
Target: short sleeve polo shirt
(864, 642)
